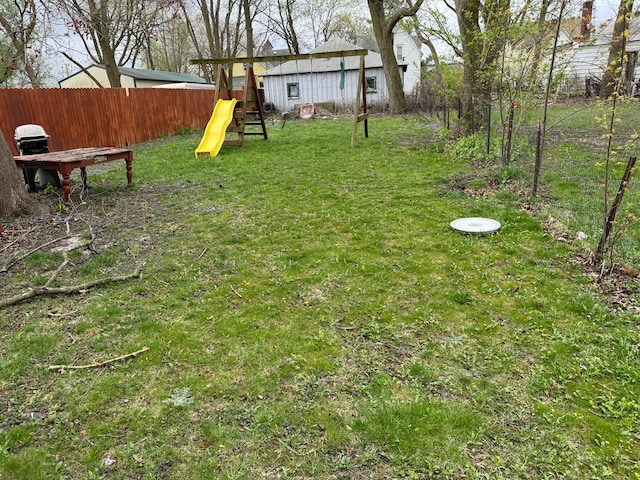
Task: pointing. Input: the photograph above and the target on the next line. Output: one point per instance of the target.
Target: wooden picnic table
(65, 161)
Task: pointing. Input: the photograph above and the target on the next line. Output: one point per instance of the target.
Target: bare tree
(171, 48)
(282, 20)
(114, 32)
(384, 20)
(192, 28)
(223, 25)
(15, 201)
(18, 22)
(324, 18)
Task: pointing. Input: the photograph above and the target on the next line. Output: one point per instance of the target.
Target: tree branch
(409, 11)
(84, 69)
(62, 368)
(46, 290)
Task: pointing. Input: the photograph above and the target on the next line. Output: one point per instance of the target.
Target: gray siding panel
(322, 87)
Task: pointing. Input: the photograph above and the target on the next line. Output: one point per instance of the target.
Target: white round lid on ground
(475, 225)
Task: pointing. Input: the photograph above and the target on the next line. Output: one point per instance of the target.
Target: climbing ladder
(248, 110)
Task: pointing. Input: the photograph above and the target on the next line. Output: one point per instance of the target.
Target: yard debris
(62, 368)
(81, 288)
(68, 243)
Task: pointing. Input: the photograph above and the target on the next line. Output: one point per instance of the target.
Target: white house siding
(411, 55)
(585, 62)
(588, 59)
(322, 87)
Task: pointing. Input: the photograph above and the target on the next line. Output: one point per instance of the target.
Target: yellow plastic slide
(216, 128)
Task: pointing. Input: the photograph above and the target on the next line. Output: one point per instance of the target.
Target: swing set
(252, 104)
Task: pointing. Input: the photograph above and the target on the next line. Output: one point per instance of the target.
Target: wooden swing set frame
(252, 103)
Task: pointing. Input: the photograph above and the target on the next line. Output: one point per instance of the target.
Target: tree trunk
(248, 21)
(383, 31)
(468, 22)
(110, 65)
(611, 79)
(15, 201)
(481, 50)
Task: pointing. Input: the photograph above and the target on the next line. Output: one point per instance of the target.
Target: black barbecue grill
(30, 140)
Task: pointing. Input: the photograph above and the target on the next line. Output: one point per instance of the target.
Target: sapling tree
(611, 229)
(527, 34)
(542, 126)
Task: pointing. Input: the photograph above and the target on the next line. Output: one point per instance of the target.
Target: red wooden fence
(100, 117)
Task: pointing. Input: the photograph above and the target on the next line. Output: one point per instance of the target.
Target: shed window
(293, 90)
(372, 84)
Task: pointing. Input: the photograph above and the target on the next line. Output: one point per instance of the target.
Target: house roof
(604, 32)
(142, 74)
(321, 65)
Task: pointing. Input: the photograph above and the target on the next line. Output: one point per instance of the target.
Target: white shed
(322, 80)
(129, 78)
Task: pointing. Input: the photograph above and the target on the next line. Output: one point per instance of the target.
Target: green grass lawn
(309, 313)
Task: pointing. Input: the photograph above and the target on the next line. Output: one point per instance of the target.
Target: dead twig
(55, 274)
(46, 290)
(234, 290)
(62, 368)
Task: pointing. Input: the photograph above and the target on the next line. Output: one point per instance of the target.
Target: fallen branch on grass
(47, 290)
(234, 290)
(62, 368)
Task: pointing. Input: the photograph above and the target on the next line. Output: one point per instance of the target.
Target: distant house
(239, 71)
(331, 79)
(408, 52)
(585, 57)
(129, 78)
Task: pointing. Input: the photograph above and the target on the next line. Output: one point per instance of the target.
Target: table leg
(83, 174)
(66, 188)
(129, 172)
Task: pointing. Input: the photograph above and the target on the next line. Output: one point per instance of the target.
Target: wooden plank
(276, 58)
(361, 86)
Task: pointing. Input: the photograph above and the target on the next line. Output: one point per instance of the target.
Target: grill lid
(29, 131)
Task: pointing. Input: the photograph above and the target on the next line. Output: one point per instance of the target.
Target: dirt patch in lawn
(116, 223)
